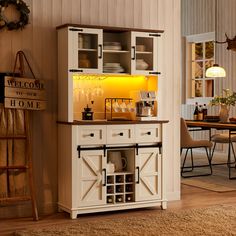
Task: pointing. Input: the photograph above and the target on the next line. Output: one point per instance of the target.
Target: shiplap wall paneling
(169, 89)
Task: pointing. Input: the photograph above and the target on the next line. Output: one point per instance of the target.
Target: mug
(119, 162)
(116, 106)
(123, 107)
(110, 167)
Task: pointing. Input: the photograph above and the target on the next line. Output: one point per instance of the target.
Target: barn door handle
(134, 51)
(100, 51)
(105, 176)
(137, 168)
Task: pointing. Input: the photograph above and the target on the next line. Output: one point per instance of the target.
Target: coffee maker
(145, 102)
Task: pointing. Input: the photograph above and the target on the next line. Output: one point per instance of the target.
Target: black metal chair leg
(183, 165)
(190, 168)
(192, 158)
(213, 151)
(209, 159)
(223, 163)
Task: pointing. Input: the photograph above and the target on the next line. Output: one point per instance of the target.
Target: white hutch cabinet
(110, 50)
(85, 182)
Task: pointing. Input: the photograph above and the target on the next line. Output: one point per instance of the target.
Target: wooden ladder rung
(14, 199)
(13, 137)
(13, 167)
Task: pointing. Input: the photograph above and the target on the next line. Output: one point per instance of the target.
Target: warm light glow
(102, 77)
(215, 71)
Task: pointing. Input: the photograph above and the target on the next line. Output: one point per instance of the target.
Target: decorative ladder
(27, 168)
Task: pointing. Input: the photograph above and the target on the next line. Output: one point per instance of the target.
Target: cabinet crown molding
(109, 28)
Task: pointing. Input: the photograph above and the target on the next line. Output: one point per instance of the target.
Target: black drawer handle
(149, 133)
(91, 135)
(121, 134)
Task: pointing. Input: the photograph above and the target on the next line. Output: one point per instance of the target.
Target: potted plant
(225, 100)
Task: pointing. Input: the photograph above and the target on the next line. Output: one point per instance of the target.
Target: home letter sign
(24, 93)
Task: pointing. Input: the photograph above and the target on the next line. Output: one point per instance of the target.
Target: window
(200, 56)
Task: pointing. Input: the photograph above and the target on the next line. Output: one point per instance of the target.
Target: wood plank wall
(39, 41)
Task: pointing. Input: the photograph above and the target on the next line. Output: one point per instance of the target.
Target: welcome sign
(24, 93)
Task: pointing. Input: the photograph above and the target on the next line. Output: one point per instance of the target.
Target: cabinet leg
(164, 205)
(59, 209)
(73, 215)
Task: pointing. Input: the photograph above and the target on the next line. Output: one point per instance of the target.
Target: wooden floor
(192, 197)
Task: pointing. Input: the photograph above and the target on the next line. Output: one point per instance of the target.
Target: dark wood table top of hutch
(104, 122)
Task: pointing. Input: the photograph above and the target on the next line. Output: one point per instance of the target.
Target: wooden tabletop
(215, 125)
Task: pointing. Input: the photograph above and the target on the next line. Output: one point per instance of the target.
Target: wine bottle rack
(120, 188)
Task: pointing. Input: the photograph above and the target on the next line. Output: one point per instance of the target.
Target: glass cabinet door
(144, 53)
(85, 50)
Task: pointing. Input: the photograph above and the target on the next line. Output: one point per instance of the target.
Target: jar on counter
(84, 62)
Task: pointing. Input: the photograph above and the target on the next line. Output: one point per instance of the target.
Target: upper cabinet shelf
(115, 51)
(96, 50)
(87, 50)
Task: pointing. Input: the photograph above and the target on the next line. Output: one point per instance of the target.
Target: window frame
(196, 38)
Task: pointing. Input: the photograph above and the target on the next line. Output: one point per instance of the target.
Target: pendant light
(215, 71)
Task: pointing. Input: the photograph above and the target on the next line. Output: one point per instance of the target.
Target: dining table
(208, 125)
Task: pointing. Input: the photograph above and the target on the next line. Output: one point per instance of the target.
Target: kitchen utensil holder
(109, 114)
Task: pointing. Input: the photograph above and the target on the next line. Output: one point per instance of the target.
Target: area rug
(217, 220)
(217, 182)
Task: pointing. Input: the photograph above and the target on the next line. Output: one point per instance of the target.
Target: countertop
(112, 122)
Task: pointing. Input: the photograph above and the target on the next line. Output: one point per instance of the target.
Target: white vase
(224, 113)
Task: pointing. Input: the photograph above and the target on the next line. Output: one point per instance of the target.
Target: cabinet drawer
(90, 135)
(148, 133)
(117, 134)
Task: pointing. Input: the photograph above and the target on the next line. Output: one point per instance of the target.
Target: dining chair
(188, 143)
(225, 138)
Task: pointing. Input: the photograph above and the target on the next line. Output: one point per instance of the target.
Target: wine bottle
(200, 113)
(109, 200)
(196, 111)
(119, 199)
(204, 110)
(128, 199)
(118, 189)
